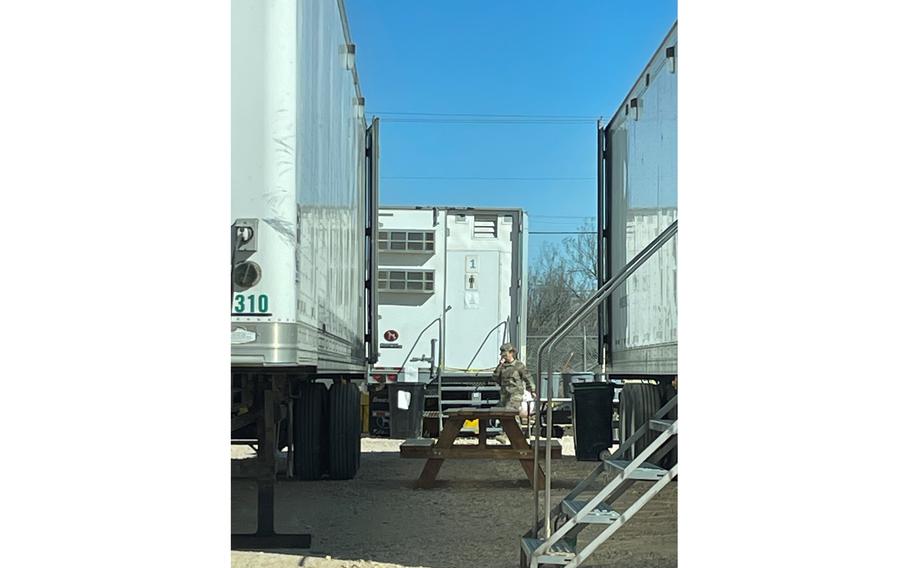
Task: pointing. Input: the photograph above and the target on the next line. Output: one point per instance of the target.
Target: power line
(574, 222)
(562, 232)
(483, 115)
(480, 118)
(479, 122)
(563, 216)
(482, 178)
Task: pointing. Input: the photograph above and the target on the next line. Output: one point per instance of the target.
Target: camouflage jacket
(513, 378)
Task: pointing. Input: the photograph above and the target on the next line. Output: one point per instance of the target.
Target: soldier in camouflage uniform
(513, 378)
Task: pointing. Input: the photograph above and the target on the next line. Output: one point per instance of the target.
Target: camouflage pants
(510, 400)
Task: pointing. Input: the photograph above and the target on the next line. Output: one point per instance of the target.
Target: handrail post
(537, 382)
(548, 460)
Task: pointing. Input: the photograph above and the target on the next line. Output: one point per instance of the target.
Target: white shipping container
(471, 261)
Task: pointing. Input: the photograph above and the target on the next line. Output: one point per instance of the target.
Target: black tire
(637, 404)
(667, 393)
(344, 431)
(310, 436)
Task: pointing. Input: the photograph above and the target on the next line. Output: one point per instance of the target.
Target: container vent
(485, 227)
(406, 241)
(419, 281)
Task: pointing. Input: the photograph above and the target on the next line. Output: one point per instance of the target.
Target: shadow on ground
(473, 518)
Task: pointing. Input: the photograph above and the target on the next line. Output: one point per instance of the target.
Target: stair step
(661, 425)
(561, 553)
(602, 514)
(645, 472)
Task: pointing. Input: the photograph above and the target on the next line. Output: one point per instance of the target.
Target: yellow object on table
(472, 425)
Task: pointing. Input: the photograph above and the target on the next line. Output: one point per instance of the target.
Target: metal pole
(603, 331)
(601, 248)
(445, 308)
(434, 370)
(549, 459)
(439, 367)
(584, 348)
(445, 265)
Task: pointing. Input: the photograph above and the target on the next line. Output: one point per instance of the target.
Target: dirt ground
(473, 518)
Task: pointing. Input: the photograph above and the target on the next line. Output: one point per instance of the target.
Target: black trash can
(570, 379)
(406, 410)
(592, 419)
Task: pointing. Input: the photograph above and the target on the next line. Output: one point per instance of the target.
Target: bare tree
(580, 251)
(562, 278)
(550, 295)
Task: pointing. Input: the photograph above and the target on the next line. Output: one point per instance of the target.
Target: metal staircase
(576, 512)
(557, 546)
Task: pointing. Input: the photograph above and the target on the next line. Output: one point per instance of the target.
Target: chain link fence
(576, 353)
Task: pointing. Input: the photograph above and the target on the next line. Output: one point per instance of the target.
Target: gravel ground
(472, 518)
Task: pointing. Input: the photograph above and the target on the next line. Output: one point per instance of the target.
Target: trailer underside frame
(265, 416)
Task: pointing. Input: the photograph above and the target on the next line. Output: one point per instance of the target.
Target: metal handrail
(595, 300)
(416, 341)
(504, 322)
(419, 335)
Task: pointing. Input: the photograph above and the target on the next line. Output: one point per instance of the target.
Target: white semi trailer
(451, 288)
(637, 197)
(304, 194)
(637, 319)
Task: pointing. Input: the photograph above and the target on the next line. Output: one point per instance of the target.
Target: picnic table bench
(444, 448)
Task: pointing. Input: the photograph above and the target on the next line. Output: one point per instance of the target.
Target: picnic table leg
(510, 427)
(446, 440)
(482, 432)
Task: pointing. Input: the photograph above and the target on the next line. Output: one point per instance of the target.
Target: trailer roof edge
(349, 40)
(641, 75)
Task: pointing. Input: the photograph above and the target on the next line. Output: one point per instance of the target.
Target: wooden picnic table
(444, 448)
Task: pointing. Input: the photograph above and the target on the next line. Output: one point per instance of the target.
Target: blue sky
(576, 58)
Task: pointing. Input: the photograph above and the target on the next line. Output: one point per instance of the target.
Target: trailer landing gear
(265, 537)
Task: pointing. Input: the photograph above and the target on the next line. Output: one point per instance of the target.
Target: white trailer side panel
(482, 276)
(404, 313)
(642, 159)
(297, 164)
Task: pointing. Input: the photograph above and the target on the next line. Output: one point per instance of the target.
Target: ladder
(577, 514)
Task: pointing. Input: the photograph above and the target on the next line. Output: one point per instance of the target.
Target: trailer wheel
(638, 402)
(310, 435)
(344, 430)
(668, 392)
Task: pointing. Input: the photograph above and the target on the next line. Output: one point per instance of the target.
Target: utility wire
(563, 216)
(482, 178)
(562, 232)
(477, 122)
(483, 115)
